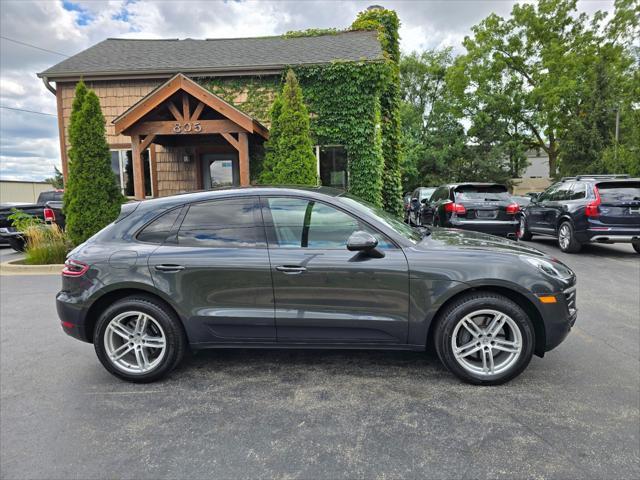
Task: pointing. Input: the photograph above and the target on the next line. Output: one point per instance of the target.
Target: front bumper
(559, 317)
(503, 228)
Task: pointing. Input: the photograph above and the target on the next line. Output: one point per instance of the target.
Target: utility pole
(615, 152)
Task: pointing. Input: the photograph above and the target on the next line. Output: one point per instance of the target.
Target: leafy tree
(92, 197)
(289, 155)
(57, 181)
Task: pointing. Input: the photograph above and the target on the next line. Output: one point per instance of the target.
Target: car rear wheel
(523, 232)
(138, 340)
(485, 339)
(636, 247)
(567, 238)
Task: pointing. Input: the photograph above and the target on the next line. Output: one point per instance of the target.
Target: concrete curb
(13, 268)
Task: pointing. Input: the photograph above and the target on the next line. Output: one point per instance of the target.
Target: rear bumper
(72, 317)
(503, 228)
(609, 235)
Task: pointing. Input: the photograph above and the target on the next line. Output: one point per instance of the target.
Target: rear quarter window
(158, 230)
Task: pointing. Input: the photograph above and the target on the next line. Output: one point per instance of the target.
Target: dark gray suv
(307, 268)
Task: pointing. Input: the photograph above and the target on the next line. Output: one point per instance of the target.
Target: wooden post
(138, 168)
(243, 158)
(61, 135)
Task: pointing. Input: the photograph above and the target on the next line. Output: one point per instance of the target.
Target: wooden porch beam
(185, 107)
(197, 112)
(138, 168)
(243, 158)
(229, 138)
(175, 112)
(147, 141)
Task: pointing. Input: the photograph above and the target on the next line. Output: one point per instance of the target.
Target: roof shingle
(124, 56)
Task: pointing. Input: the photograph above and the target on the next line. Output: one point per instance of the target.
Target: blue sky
(29, 146)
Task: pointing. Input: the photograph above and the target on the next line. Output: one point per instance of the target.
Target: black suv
(482, 207)
(583, 209)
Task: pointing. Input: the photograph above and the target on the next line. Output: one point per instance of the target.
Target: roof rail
(617, 175)
(564, 179)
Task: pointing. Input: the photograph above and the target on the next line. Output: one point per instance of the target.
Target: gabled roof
(180, 82)
(124, 57)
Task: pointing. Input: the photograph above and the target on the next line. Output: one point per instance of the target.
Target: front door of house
(220, 170)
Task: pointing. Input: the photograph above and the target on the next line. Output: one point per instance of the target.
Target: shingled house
(190, 114)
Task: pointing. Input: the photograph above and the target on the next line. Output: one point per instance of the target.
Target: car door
(537, 211)
(555, 206)
(429, 205)
(323, 292)
(216, 266)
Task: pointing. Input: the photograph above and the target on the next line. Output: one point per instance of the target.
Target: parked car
(483, 207)
(419, 196)
(47, 208)
(406, 204)
(522, 201)
(307, 268)
(586, 209)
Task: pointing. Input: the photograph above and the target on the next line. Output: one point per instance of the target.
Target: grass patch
(46, 244)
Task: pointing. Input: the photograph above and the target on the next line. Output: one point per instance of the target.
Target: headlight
(553, 269)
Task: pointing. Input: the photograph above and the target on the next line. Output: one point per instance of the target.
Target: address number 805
(187, 127)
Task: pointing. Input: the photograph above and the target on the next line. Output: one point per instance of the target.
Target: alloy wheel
(486, 342)
(521, 228)
(135, 342)
(564, 236)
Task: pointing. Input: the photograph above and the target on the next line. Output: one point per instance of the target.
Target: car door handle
(292, 269)
(169, 268)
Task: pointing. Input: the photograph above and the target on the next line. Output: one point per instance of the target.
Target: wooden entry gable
(181, 107)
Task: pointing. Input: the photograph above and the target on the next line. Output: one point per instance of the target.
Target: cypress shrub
(92, 197)
(289, 157)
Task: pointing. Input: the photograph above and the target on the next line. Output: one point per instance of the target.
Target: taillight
(74, 268)
(456, 208)
(592, 209)
(513, 209)
(49, 215)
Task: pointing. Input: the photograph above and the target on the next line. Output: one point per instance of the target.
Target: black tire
(571, 245)
(176, 342)
(472, 302)
(636, 247)
(523, 231)
(17, 243)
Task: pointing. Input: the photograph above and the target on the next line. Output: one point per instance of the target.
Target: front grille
(570, 298)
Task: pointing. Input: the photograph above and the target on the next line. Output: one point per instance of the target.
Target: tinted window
(441, 193)
(563, 192)
(548, 193)
(232, 223)
(158, 230)
(299, 223)
(482, 193)
(619, 192)
(578, 191)
(425, 193)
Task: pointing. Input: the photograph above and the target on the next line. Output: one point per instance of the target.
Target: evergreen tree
(92, 198)
(289, 156)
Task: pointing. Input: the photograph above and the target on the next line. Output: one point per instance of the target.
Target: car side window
(563, 192)
(224, 223)
(548, 193)
(158, 230)
(300, 223)
(578, 191)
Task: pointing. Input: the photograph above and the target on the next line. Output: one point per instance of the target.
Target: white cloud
(28, 142)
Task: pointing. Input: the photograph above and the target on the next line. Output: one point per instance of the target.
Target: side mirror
(414, 200)
(424, 201)
(360, 241)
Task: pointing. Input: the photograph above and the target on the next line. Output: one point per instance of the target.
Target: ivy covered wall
(354, 104)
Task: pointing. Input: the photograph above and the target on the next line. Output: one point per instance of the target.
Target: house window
(122, 166)
(333, 166)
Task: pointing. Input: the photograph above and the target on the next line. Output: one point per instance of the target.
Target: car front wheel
(485, 338)
(138, 340)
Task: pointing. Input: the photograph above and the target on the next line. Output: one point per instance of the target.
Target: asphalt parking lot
(323, 414)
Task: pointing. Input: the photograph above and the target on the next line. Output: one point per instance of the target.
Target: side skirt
(311, 346)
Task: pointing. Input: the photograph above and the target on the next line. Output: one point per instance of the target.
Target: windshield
(611, 192)
(425, 193)
(490, 193)
(389, 220)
